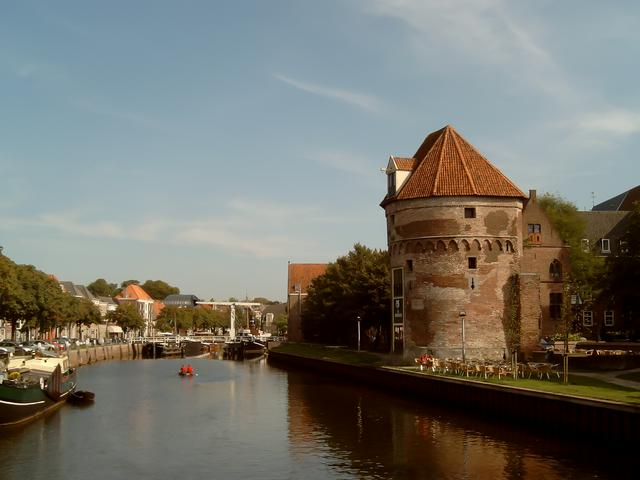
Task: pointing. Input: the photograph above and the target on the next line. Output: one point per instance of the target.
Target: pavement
(612, 377)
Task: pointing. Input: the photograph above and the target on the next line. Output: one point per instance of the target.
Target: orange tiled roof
(403, 163)
(448, 165)
(134, 292)
(303, 274)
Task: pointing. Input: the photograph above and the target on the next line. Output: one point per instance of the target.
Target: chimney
(532, 195)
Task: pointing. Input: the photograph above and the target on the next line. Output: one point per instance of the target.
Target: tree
(101, 288)
(280, 324)
(158, 289)
(355, 285)
(585, 268)
(127, 317)
(13, 297)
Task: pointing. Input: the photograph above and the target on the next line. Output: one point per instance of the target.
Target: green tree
(102, 288)
(174, 318)
(127, 317)
(14, 299)
(158, 289)
(355, 285)
(280, 324)
(586, 269)
(46, 300)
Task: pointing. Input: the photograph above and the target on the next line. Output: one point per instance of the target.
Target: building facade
(474, 261)
(299, 278)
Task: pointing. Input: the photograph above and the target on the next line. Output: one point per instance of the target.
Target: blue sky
(208, 143)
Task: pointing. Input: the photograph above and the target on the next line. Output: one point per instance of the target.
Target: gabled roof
(134, 292)
(604, 224)
(79, 291)
(623, 202)
(402, 163)
(447, 165)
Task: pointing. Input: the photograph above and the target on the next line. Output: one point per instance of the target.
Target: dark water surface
(248, 420)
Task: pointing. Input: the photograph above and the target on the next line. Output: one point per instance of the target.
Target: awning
(114, 329)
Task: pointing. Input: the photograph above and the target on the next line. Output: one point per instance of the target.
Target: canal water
(250, 420)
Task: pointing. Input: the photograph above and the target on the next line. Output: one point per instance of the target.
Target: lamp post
(463, 314)
(358, 318)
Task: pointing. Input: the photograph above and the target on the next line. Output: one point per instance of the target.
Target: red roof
(302, 274)
(447, 165)
(134, 292)
(405, 163)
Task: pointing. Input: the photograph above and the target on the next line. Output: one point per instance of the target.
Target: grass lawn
(579, 385)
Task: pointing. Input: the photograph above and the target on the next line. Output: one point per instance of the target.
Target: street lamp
(463, 314)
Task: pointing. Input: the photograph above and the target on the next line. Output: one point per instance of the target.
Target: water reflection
(249, 420)
(374, 435)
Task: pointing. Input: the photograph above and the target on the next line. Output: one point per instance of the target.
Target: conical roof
(448, 165)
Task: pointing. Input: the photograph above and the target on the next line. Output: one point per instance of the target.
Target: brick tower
(454, 231)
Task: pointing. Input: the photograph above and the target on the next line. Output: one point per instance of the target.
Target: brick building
(463, 283)
(299, 277)
(606, 224)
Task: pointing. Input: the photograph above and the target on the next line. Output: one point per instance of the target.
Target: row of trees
(157, 289)
(29, 295)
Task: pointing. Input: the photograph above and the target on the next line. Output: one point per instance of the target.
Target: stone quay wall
(560, 414)
(98, 353)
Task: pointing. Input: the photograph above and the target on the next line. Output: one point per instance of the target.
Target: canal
(250, 420)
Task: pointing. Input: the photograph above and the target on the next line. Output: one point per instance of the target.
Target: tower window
(473, 262)
(410, 265)
(469, 212)
(555, 270)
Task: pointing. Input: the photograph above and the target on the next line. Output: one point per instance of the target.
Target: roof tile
(447, 165)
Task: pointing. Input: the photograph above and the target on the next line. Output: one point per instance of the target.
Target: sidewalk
(612, 377)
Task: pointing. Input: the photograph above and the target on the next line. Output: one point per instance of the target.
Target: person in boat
(189, 369)
(183, 370)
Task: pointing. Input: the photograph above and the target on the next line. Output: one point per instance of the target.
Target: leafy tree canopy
(159, 289)
(127, 317)
(355, 285)
(189, 318)
(585, 266)
(102, 288)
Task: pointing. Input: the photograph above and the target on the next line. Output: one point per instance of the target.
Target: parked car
(9, 345)
(62, 343)
(40, 345)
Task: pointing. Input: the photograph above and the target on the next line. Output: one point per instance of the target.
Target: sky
(209, 143)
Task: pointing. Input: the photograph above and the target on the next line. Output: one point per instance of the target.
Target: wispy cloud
(360, 100)
(347, 162)
(243, 227)
(614, 121)
(482, 31)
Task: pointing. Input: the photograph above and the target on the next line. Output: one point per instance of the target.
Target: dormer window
(391, 183)
(606, 245)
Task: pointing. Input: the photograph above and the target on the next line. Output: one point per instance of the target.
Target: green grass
(579, 385)
(337, 354)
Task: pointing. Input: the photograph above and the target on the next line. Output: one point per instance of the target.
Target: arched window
(555, 270)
